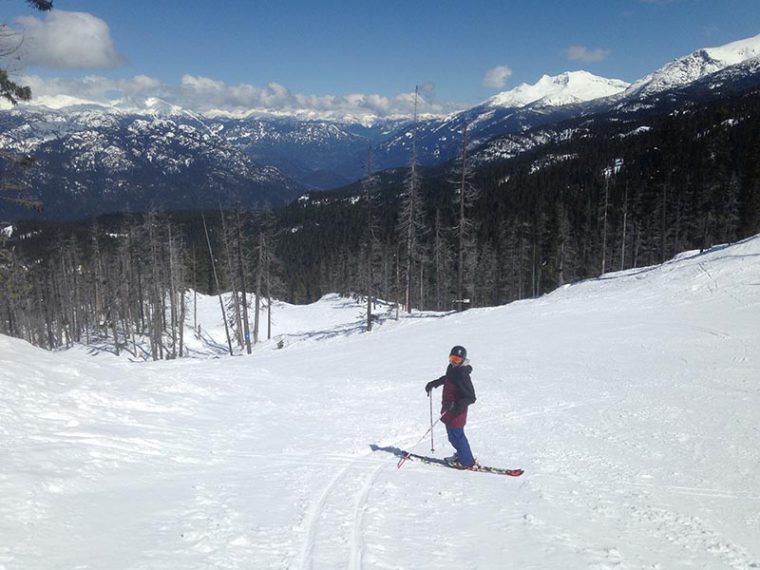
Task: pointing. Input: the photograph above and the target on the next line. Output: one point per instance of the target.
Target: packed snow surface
(632, 401)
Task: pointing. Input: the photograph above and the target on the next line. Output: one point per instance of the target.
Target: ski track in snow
(631, 401)
(330, 517)
(319, 511)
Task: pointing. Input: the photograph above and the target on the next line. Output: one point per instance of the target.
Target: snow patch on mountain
(564, 89)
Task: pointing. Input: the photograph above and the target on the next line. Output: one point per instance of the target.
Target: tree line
(130, 280)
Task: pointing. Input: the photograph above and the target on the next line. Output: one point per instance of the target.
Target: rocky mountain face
(93, 159)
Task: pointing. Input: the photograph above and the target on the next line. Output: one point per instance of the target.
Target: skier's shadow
(400, 453)
(392, 450)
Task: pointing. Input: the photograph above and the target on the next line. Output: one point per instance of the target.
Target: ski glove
(433, 384)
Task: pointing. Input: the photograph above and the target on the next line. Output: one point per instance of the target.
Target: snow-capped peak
(563, 89)
(159, 106)
(696, 65)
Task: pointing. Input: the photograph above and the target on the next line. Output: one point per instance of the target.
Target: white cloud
(496, 77)
(586, 55)
(95, 87)
(140, 84)
(207, 95)
(66, 40)
(204, 94)
(202, 84)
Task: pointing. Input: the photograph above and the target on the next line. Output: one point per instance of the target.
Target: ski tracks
(335, 522)
(357, 543)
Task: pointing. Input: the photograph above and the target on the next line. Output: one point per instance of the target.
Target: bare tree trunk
(241, 277)
(233, 283)
(259, 270)
(535, 272)
(663, 224)
(370, 239)
(462, 222)
(421, 305)
(216, 280)
(195, 294)
(269, 304)
(636, 243)
(182, 323)
(398, 283)
(625, 227)
(115, 332)
(155, 329)
(172, 296)
(607, 174)
(411, 213)
(437, 259)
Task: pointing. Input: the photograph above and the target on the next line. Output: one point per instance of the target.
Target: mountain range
(93, 158)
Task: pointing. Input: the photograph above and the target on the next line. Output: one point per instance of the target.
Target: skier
(458, 394)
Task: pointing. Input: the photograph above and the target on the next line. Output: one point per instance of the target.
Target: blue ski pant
(460, 443)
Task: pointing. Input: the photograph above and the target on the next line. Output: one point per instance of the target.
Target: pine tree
(10, 90)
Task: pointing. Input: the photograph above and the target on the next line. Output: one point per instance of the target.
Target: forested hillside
(612, 195)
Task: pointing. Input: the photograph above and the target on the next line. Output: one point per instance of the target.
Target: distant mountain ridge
(711, 71)
(695, 66)
(94, 156)
(92, 162)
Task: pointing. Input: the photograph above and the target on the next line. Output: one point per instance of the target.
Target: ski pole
(432, 445)
(406, 455)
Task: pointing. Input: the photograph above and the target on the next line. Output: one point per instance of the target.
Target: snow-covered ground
(632, 402)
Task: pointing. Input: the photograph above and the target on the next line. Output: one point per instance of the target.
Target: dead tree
(216, 281)
(411, 215)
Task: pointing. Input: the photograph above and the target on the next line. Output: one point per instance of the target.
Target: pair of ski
(406, 456)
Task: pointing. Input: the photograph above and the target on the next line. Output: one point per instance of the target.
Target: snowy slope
(631, 401)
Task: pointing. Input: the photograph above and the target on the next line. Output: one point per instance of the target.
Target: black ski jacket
(459, 376)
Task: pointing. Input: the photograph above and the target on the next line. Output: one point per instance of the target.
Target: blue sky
(317, 50)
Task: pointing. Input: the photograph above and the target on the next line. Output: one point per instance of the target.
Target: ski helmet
(459, 352)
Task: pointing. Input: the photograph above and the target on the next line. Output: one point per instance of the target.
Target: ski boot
(451, 460)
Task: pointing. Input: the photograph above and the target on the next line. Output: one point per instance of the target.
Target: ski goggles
(454, 359)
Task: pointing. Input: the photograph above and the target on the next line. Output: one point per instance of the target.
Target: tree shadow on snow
(356, 327)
